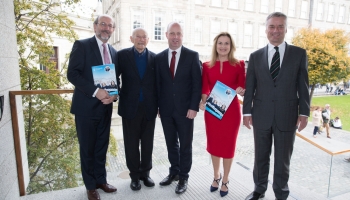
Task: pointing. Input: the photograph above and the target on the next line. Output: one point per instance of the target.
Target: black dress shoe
(181, 186)
(255, 196)
(147, 181)
(169, 179)
(135, 185)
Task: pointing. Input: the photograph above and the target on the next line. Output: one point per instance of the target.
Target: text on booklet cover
(219, 99)
(105, 78)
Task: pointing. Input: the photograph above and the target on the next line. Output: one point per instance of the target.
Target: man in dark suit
(179, 92)
(92, 106)
(138, 107)
(276, 103)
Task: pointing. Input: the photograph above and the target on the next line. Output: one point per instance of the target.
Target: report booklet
(105, 78)
(219, 99)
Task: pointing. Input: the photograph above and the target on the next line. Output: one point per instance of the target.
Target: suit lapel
(283, 64)
(96, 49)
(112, 52)
(182, 59)
(149, 63)
(265, 62)
(166, 62)
(131, 59)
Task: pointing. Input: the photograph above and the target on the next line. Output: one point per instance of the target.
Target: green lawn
(340, 106)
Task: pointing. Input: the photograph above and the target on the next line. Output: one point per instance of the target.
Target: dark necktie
(172, 64)
(105, 54)
(275, 65)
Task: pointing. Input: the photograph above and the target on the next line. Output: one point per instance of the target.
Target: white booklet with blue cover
(105, 78)
(219, 99)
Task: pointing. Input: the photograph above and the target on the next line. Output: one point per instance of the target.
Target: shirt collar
(272, 47)
(99, 42)
(177, 50)
(138, 53)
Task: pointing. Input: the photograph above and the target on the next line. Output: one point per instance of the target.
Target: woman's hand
(240, 91)
(202, 105)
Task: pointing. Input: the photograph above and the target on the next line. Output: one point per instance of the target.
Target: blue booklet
(219, 99)
(105, 78)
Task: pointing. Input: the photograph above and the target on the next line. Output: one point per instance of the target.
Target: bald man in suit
(179, 85)
(276, 103)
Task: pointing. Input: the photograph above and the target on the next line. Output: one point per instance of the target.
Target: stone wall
(9, 81)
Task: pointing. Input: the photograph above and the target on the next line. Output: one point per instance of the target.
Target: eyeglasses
(104, 25)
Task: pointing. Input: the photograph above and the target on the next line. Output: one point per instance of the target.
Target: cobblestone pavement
(310, 166)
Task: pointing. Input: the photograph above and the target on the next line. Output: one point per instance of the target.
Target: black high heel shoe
(212, 188)
(223, 193)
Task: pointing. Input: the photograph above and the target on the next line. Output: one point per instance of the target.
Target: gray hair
(103, 15)
(276, 14)
(138, 29)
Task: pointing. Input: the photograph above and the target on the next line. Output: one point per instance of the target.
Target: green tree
(327, 54)
(52, 146)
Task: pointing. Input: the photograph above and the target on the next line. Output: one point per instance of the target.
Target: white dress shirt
(177, 57)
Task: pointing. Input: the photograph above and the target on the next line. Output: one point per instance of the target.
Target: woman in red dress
(222, 134)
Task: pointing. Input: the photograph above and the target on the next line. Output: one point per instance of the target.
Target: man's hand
(102, 94)
(109, 100)
(247, 121)
(191, 114)
(301, 123)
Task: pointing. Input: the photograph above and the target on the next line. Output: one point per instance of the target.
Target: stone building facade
(203, 19)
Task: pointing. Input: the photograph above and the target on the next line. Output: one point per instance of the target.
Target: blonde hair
(214, 54)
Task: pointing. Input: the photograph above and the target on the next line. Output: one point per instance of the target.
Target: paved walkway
(309, 177)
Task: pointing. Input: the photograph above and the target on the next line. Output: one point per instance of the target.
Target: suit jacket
(85, 54)
(132, 82)
(184, 91)
(282, 100)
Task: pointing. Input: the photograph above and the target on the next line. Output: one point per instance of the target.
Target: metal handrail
(15, 128)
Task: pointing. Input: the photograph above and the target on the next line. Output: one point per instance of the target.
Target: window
(289, 35)
(264, 6)
(291, 8)
(233, 4)
(278, 6)
(248, 35)
(198, 29)
(214, 30)
(232, 30)
(262, 36)
(159, 27)
(138, 19)
(53, 58)
(180, 18)
(249, 5)
(341, 15)
(330, 17)
(303, 13)
(216, 3)
(319, 15)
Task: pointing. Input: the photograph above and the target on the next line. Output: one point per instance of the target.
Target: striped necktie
(275, 64)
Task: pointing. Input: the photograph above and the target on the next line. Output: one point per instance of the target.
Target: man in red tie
(179, 85)
(92, 106)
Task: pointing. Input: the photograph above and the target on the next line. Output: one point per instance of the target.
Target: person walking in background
(138, 107)
(326, 116)
(276, 93)
(179, 92)
(316, 120)
(92, 106)
(222, 134)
